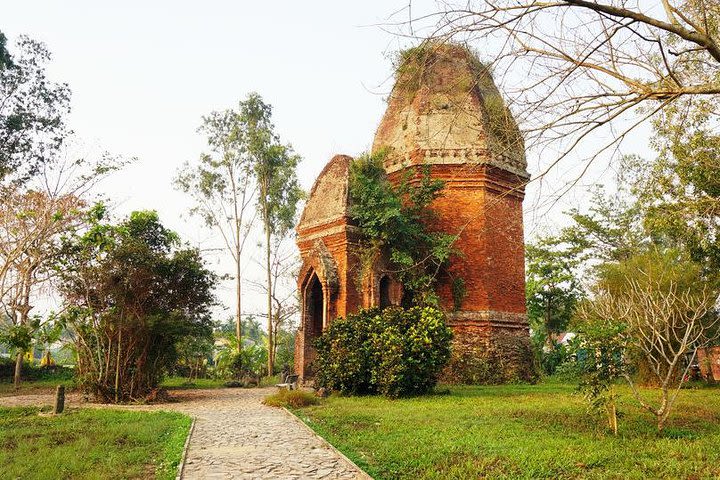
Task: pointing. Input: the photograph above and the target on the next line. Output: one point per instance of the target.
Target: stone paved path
(236, 437)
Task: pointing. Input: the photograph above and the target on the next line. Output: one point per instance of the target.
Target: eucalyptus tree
(221, 185)
(274, 169)
(285, 264)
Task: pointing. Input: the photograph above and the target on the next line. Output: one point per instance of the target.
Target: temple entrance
(314, 312)
(385, 292)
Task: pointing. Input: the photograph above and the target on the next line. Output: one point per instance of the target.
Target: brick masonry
(453, 121)
(709, 361)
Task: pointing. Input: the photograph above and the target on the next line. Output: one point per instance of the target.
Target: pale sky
(144, 73)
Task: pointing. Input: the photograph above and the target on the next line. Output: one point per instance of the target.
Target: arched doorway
(385, 292)
(314, 320)
(316, 305)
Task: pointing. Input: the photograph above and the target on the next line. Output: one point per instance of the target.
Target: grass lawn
(39, 381)
(519, 431)
(49, 382)
(33, 386)
(91, 444)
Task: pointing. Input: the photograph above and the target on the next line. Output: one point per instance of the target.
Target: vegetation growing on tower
(413, 71)
(393, 221)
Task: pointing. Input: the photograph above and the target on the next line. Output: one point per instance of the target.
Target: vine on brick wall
(393, 220)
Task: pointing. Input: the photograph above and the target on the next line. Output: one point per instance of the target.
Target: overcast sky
(144, 73)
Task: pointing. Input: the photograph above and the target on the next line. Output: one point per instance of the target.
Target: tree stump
(59, 400)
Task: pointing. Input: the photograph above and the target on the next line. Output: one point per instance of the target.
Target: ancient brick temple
(446, 113)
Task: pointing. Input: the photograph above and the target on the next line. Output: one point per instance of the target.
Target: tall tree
(680, 189)
(284, 268)
(274, 168)
(221, 186)
(552, 290)
(32, 110)
(32, 225)
(35, 218)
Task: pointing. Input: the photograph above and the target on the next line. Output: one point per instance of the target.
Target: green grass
(519, 431)
(49, 382)
(91, 444)
(40, 381)
(32, 386)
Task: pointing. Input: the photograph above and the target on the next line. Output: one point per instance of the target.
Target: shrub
(395, 352)
(344, 353)
(411, 351)
(569, 371)
(36, 373)
(551, 359)
(291, 399)
(471, 368)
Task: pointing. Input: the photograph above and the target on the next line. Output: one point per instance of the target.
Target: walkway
(237, 437)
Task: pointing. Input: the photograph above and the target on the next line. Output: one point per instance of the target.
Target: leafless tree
(34, 218)
(665, 324)
(285, 305)
(582, 75)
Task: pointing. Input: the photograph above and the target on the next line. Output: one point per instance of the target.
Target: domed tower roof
(330, 195)
(446, 109)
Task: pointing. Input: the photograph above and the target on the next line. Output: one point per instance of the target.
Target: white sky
(143, 73)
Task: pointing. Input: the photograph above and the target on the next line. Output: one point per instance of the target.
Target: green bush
(550, 360)
(569, 371)
(35, 373)
(344, 356)
(395, 352)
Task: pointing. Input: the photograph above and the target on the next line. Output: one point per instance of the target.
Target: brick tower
(446, 113)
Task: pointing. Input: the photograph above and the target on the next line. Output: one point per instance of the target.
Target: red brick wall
(483, 205)
(339, 242)
(709, 361)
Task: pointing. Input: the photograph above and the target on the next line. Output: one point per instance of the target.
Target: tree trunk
(238, 262)
(117, 368)
(18, 369)
(271, 340)
(238, 306)
(612, 417)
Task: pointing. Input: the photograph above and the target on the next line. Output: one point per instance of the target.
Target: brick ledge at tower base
(485, 318)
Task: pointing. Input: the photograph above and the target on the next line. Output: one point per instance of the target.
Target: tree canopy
(32, 109)
(134, 292)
